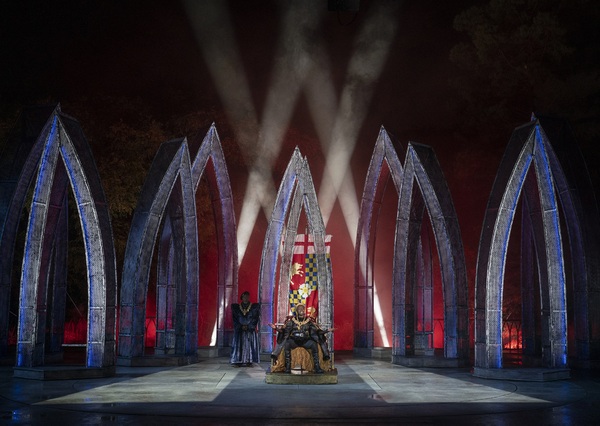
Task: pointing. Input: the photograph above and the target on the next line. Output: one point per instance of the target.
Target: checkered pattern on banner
(304, 274)
(310, 270)
(295, 298)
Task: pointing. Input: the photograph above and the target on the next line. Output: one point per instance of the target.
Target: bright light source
(379, 317)
(213, 337)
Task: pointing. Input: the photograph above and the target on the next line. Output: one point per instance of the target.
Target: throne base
(302, 370)
(327, 378)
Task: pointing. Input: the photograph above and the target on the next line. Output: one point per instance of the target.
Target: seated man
(300, 331)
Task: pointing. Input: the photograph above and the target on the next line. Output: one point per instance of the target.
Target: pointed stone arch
(61, 138)
(167, 191)
(296, 191)
(53, 259)
(18, 166)
(209, 162)
(384, 165)
(530, 145)
(422, 171)
(582, 221)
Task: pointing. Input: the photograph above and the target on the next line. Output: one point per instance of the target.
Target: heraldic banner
(304, 274)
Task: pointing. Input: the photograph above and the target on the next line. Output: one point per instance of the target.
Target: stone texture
(296, 193)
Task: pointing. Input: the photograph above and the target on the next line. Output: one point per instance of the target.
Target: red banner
(304, 273)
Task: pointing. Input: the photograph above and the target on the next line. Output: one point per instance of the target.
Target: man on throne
(300, 330)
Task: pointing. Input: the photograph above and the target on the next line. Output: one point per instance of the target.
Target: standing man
(246, 315)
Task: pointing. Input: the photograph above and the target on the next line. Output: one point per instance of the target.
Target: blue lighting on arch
(84, 220)
(41, 177)
(505, 241)
(550, 186)
(545, 186)
(25, 279)
(513, 207)
(555, 221)
(86, 238)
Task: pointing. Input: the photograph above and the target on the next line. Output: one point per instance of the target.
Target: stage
(368, 391)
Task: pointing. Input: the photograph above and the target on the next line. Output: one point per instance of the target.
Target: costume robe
(245, 347)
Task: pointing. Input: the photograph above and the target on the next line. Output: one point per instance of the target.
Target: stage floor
(368, 392)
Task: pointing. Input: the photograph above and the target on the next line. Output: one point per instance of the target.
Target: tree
(524, 56)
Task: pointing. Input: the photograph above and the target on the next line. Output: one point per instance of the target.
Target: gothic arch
(63, 138)
(210, 162)
(18, 166)
(541, 226)
(422, 168)
(384, 164)
(167, 192)
(528, 145)
(296, 191)
(579, 207)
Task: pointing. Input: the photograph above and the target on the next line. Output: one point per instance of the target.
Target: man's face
(245, 298)
(300, 310)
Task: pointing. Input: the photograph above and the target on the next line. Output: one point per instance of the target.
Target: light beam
(371, 51)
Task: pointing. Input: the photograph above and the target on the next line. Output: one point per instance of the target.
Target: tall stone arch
(384, 165)
(209, 162)
(18, 166)
(296, 192)
(557, 177)
(167, 192)
(423, 175)
(582, 221)
(60, 155)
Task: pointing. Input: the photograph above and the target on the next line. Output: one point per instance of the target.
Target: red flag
(304, 273)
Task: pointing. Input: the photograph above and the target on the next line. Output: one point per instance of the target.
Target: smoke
(371, 50)
(214, 33)
(300, 64)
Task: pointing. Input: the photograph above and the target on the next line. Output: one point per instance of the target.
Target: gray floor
(368, 392)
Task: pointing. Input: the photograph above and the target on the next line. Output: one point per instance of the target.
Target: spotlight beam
(371, 51)
(346, 120)
(291, 67)
(214, 33)
(293, 60)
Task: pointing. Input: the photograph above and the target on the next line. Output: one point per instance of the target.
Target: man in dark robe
(246, 315)
(300, 330)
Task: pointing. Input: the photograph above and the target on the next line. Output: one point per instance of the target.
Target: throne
(302, 361)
